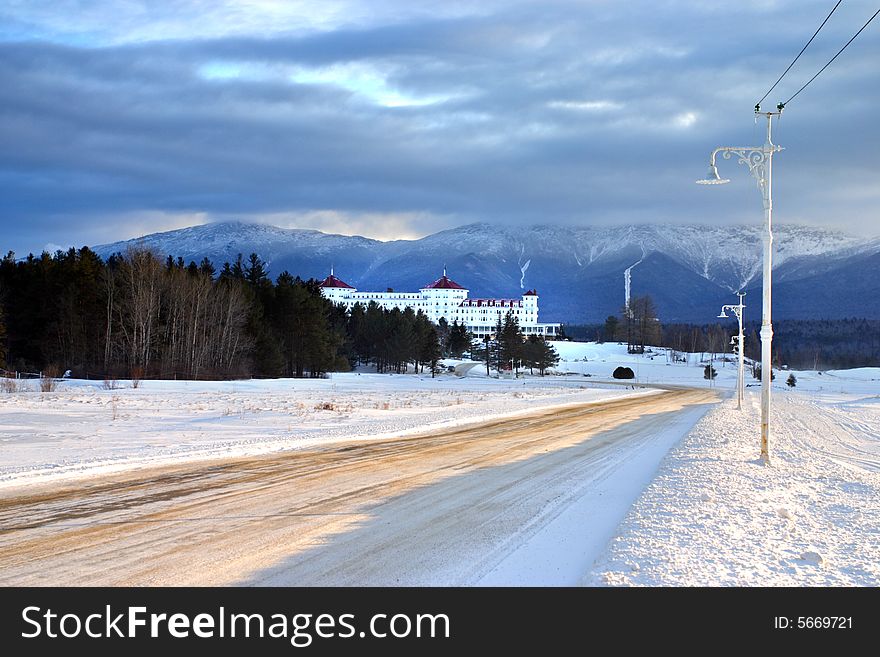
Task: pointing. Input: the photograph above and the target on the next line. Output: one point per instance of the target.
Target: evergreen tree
(255, 271)
(375, 329)
(530, 353)
(612, 326)
(510, 343)
(428, 350)
(73, 319)
(791, 381)
(538, 353)
(301, 319)
(495, 346)
(341, 341)
(458, 340)
(401, 343)
(547, 356)
(443, 330)
(756, 372)
(238, 269)
(752, 347)
(481, 348)
(206, 267)
(2, 336)
(356, 332)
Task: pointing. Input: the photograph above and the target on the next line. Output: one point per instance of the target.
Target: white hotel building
(447, 299)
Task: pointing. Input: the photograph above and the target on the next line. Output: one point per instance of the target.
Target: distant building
(447, 299)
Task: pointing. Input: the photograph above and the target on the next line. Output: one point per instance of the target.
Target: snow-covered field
(83, 429)
(599, 360)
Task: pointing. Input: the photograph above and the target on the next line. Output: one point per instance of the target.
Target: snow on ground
(712, 515)
(83, 429)
(597, 361)
(716, 516)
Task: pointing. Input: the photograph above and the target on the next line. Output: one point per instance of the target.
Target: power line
(833, 58)
(799, 54)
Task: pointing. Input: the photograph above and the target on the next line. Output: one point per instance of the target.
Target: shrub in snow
(791, 381)
(49, 379)
(624, 373)
(709, 372)
(8, 384)
(756, 372)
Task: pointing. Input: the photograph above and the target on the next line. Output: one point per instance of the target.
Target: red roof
(332, 281)
(443, 283)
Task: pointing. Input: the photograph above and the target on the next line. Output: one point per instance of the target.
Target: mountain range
(580, 272)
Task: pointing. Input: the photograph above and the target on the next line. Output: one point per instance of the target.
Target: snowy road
(528, 499)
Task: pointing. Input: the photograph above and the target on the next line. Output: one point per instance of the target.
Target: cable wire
(833, 58)
(799, 54)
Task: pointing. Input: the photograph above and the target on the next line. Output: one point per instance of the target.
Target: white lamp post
(759, 159)
(738, 311)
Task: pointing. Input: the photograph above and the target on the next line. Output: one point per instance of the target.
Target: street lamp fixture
(712, 177)
(759, 160)
(739, 340)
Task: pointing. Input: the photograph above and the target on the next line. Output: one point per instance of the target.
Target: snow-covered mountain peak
(582, 271)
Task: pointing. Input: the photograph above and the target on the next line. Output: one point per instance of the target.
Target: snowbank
(715, 516)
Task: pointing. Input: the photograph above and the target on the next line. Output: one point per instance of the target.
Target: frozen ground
(84, 429)
(715, 516)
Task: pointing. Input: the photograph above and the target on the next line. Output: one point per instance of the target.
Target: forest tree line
(136, 315)
(800, 344)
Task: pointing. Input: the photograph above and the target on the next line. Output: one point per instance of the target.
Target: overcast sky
(397, 118)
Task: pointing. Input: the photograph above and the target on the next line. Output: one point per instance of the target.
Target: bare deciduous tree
(143, 285)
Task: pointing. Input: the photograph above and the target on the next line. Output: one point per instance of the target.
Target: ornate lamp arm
(737, 310)
(754, 157)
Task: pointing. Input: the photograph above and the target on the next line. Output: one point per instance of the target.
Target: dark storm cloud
(540, 112)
